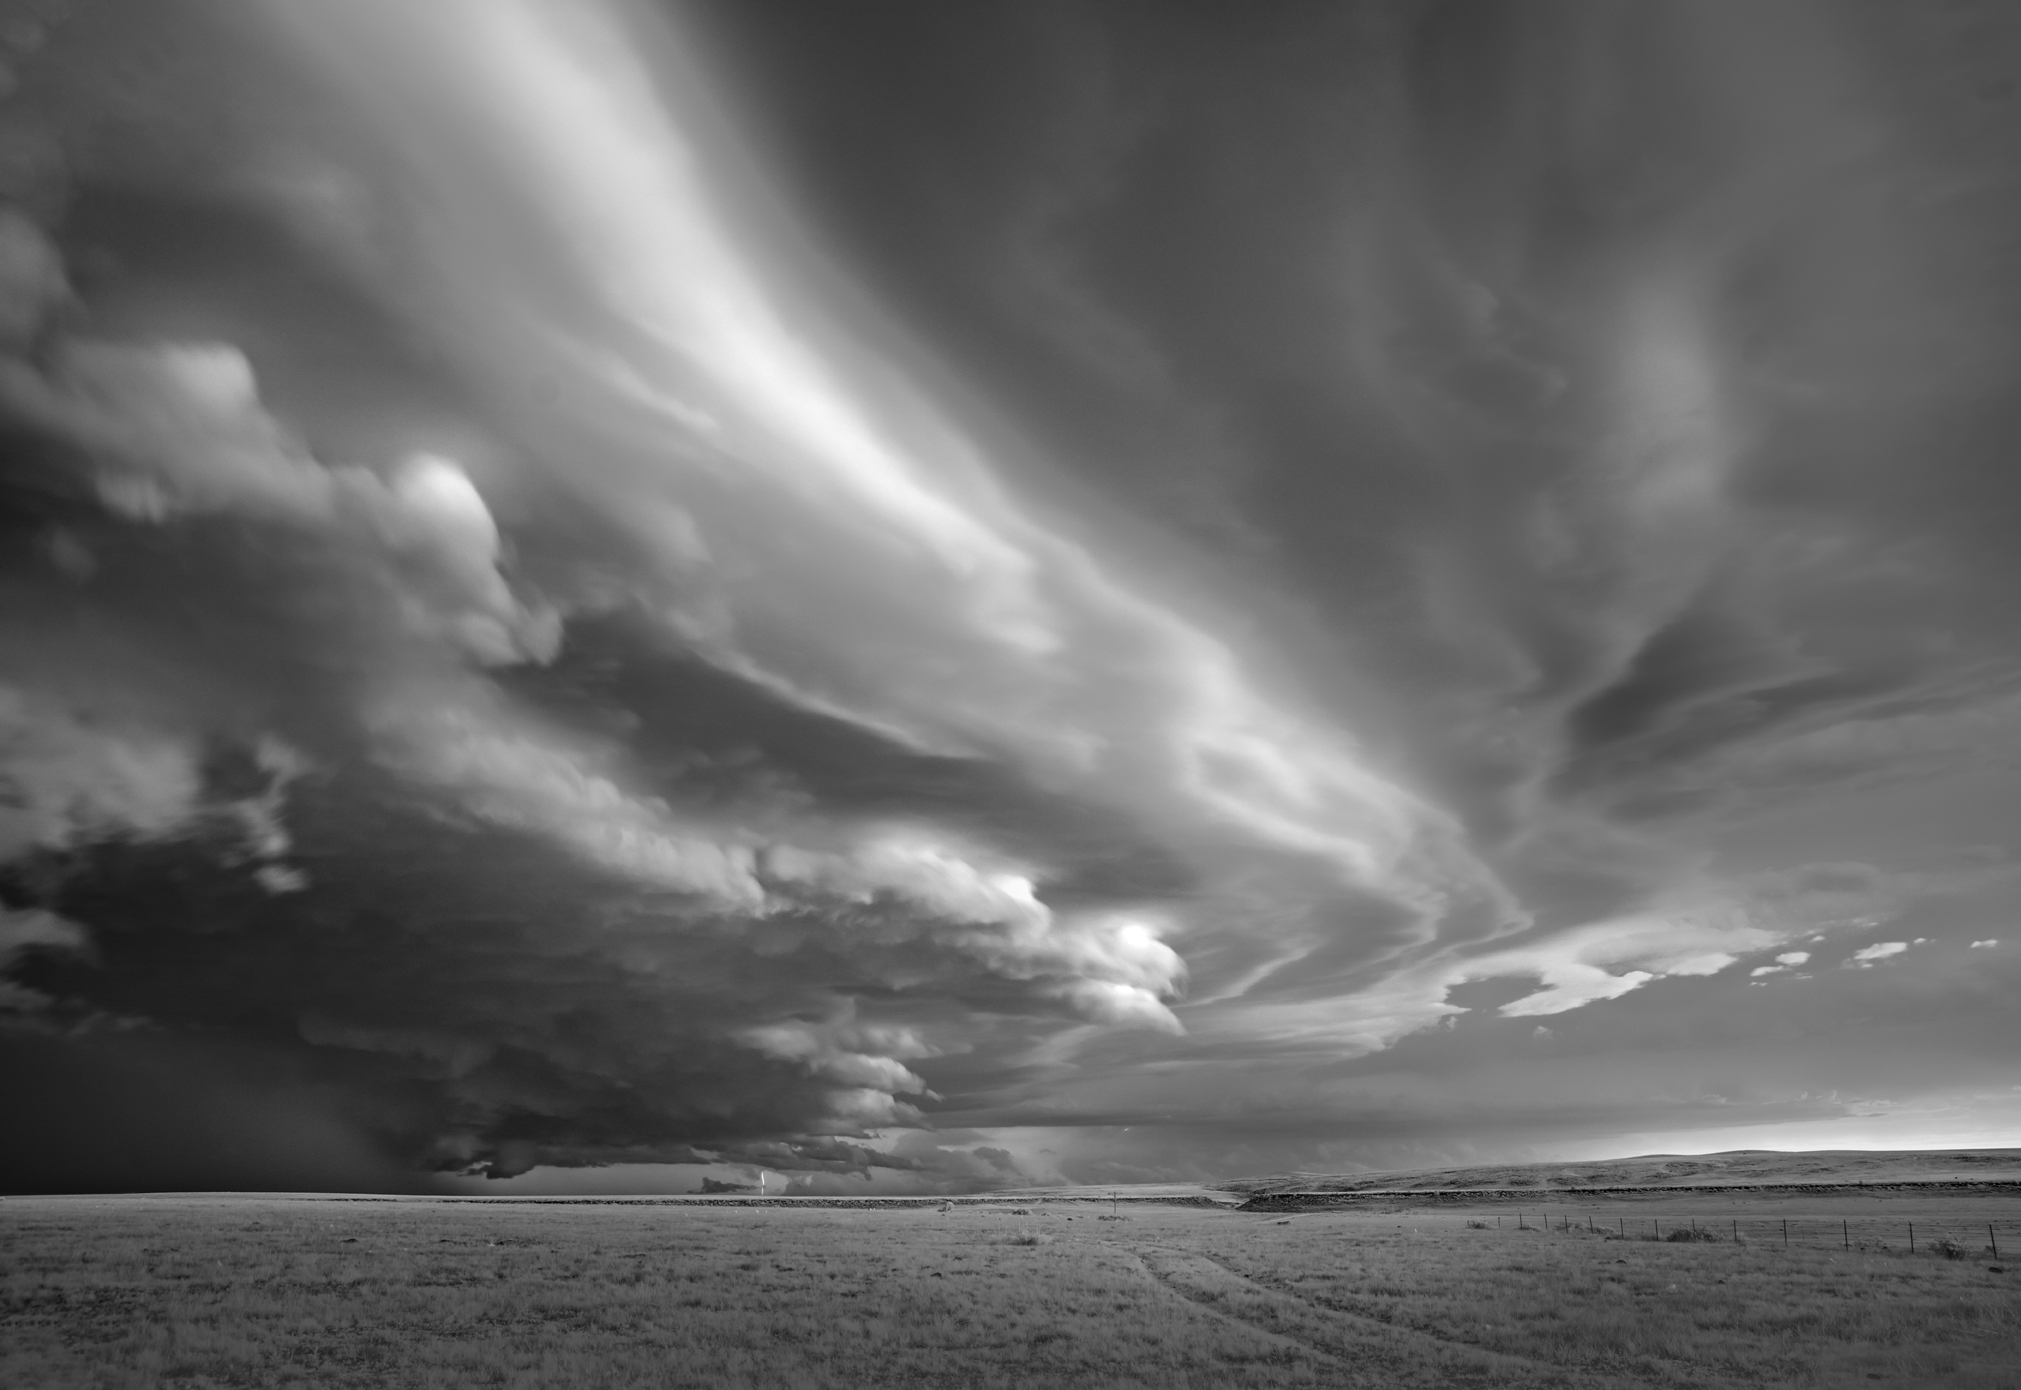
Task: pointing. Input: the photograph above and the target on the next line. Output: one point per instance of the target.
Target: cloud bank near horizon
(604, 584)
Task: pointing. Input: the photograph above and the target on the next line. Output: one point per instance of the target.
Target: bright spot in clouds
(1788, 960)
(1868, 956)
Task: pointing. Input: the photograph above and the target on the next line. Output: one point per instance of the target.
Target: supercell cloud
(1052, 592)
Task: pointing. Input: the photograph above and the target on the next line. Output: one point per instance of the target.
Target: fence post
(1846, 1234)
(1785, 1233)
(1993, 1240)
(1656, 1228)
(1736, 1232)
(1912, 1237)
(1621, 1223)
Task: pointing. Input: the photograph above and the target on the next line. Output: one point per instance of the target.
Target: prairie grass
(212, 1292)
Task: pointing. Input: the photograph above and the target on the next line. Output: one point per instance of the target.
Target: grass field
(208, 1291)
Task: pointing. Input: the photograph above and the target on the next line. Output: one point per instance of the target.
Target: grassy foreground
(199, 1292)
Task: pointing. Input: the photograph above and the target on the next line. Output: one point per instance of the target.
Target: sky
(905, 597)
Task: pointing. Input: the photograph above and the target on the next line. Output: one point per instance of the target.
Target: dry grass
(1702, 1311)
(189, 1292)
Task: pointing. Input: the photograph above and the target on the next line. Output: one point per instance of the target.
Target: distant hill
(1740, 1167)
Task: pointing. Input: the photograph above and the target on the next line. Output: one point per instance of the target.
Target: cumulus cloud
(71, 774)
(866, 1083)
(507, 768)
(80, 768)
(1788, 960)
(1867, 957)
(1986, 945)
(21, 930)
(179, 429)
(1111, 966)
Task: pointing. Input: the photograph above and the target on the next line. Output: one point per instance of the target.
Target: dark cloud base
(459, 999)
(153, 1113)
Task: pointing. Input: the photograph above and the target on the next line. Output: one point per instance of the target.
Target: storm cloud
(1057, 591)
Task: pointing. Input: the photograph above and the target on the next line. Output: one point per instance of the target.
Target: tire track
(1208, 1302)
(1390, 1329)
(1367, 1350)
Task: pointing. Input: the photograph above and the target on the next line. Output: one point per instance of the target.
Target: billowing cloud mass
(920, 600)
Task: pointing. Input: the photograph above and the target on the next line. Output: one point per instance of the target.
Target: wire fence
(1947, 1238)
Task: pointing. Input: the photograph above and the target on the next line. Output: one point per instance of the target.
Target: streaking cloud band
(860, 552)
